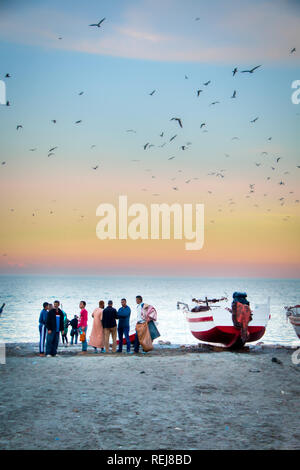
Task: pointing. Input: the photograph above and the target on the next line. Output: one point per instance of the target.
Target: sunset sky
(48, 204)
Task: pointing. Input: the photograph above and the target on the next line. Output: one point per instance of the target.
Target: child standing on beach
(64, 333)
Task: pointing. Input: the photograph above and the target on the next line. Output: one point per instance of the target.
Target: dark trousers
(123, 330)
(43, 333)
(64, 337)
(52, 343)
(74, 332)
(136, 343)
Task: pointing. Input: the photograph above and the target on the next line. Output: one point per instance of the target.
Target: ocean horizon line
(145, 276)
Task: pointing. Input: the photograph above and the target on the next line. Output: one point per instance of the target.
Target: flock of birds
(178, 121)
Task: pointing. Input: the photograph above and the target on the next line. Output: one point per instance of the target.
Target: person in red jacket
(83, 323)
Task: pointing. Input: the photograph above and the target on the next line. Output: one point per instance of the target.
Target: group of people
(107, 322)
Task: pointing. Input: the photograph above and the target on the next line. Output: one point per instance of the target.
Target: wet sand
(171, 398)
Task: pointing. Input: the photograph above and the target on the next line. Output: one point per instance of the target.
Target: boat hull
(215, 325)
(131, 337)
(229, 336)
(293, 314)
(295, 322)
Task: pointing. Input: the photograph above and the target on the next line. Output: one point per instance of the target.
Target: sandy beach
(171, 398)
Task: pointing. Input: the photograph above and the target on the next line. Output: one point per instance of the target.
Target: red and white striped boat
(293, 314)
(213, 322)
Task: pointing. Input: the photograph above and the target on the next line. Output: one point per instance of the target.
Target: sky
(48, 203)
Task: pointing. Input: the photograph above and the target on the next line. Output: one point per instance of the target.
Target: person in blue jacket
(123, 325)
(42, 327)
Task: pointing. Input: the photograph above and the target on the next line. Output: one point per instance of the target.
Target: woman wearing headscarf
(97, 336)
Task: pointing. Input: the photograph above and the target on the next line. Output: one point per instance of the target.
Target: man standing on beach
(123, 325)
(82, 325)
(54, 324)
(42, 328)
(110, 326)
(139, 319)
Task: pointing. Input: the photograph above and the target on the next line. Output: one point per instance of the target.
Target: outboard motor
(241, 313)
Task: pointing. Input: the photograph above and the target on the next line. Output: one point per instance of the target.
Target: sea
(24, 296)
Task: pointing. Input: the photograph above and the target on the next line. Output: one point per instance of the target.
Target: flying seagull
(293, 50)
(152, 92)
(54, 121)
(207, 83)
(251, 70)
(202, 125)
(177, 119)
(7, 75)
(95, 167)
(214, 102)
(198, 92)
(77, 122)
(254, 120)
(51, 150)
(19, 127)
(234, 94)
(146, 145)
(172, 138)
(81, 93)
(98, 24)
(234, 71)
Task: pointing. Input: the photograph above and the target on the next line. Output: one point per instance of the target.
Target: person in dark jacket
(54, 324)
(110, 326)
(42, 328)
(74, 330)
(123, 325)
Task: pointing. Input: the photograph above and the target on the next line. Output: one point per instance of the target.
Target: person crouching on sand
(110, 326)
(42, 328)
(54, 324)
(82, 325)
(97, 335)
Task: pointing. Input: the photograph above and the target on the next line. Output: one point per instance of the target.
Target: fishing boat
(293, 315)
(219, 322)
